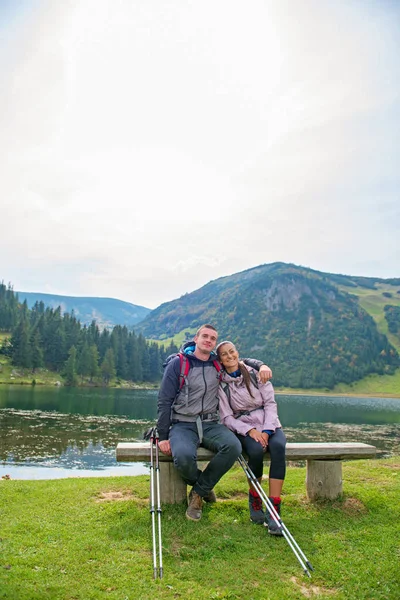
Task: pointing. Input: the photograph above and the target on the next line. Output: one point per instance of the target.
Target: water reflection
(38, 435)
(57, 432)
(294, 410)
(140, 404)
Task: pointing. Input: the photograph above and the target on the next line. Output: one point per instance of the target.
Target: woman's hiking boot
(257, 514)
(273, 527)
(195, 505)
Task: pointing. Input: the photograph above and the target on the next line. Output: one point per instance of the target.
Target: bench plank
(140, 451)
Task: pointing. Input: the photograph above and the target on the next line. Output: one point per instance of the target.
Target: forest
(43, 337)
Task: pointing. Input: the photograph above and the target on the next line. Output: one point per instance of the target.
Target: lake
(49, 433)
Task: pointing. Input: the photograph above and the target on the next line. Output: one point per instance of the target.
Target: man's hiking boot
(273, 527)
(211, 497)
(194, 508)
(257, 514)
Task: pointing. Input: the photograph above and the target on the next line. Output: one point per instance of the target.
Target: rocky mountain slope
(314, 328)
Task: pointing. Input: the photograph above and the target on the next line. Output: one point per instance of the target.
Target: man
(188, 416)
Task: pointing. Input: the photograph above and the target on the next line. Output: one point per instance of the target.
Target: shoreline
(278, 391)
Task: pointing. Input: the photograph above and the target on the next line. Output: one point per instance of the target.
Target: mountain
(315, 329)
(106, 311)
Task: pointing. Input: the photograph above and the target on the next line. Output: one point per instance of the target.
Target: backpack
(185, 366)
(184, 363)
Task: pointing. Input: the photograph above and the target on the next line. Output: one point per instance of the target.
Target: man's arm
(169, 389)
(265, 372)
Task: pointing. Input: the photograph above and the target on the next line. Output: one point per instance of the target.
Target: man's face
(206, 340)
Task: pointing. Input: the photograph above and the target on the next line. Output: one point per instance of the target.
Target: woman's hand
(261, 438)
(264, 373)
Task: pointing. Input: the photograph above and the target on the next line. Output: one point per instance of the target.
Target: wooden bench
(324, 466)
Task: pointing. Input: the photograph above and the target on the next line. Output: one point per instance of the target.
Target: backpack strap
(225, 387)
(184, 369)
(253, 377)
(217, 365)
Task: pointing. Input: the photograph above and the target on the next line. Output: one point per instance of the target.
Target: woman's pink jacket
(266, 417)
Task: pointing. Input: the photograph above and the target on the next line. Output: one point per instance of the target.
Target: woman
(249, 409)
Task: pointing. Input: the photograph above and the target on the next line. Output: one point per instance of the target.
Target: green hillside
(316, 329)
(374, 300)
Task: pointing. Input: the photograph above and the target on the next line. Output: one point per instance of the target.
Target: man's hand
(264, 373)
(165, 447)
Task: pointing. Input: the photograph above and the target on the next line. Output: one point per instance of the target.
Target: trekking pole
(301, 557)
(152, 509)
(159, 511)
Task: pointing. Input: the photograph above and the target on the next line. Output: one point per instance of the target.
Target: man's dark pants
(219, 439)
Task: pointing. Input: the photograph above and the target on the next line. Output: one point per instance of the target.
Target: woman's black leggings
(255, 453)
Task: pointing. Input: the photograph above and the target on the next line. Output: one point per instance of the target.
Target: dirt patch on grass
(309, 591)
(175, 546)
(351, 507)
(115, 496)
(231, 496)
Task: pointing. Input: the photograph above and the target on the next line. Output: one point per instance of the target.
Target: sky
(147, 148)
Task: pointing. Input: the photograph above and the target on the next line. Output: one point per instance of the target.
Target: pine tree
(55, 352)
(155, 362)
(36, 350)
(93, 334)
(72, 328)
(108, 366)
(144, 357)
(20, 346)
(93, 362)
(9, 312)
(70, 368)
(84, 361)
(135, 372)
(104, 343)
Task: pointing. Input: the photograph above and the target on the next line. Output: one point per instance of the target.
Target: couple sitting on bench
(247, 421)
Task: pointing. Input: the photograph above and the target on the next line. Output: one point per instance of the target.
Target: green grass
(89, 539)
(16, 375)
(177, 339)
(372, 385)
(373, 301)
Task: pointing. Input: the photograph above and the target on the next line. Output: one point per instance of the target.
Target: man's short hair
(206, 326)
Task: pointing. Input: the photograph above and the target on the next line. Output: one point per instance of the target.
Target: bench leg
(172, 487)
(324, 479)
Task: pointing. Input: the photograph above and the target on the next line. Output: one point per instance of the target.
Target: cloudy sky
(149, 147)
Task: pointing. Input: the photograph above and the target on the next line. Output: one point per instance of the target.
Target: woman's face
(229, 357)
